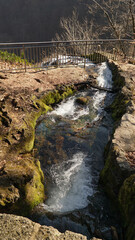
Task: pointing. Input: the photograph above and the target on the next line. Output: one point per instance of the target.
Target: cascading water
(72, 184)
(70, 143)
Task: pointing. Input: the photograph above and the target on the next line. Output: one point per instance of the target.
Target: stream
(70, 143)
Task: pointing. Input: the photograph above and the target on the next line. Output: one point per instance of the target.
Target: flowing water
(70, 142)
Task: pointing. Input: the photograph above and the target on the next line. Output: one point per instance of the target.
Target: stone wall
(118, 175)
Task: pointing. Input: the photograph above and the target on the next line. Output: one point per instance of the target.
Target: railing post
(114, 54)
(99, 51)
(24, 58)
(57, 50)
(85, 54)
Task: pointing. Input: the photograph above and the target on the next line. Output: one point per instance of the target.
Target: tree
(107, 19)
(111, 18)
(119, 17)
(73, 29)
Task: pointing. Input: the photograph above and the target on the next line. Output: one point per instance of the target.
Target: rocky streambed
(21, 177)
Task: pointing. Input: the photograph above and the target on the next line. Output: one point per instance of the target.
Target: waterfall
(72, 183)
(104, 78)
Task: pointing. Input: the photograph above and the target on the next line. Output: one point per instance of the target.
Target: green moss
(56, 96)
(111, 181)
(127, 197)
(118, 107)
(130, 233)
(27, 142)
(50, 98)
(28, 178)
(37, 163)
(34, 190)
(68, 92)
(127, 204)
(12, 58)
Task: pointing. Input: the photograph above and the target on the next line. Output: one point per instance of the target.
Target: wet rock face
(127, 199)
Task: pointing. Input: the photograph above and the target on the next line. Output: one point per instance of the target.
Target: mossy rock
(118, 107)
(23, 189)
(34, 190)
(82, 100)
(110, 181)
(54, 97)
(120, 103)
(8, 195)
(127, 204)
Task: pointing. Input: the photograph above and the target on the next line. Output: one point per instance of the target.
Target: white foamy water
(97, 100)
(105, 76)
(64, 59)
(104, 79)
(72, 185)
(65, 108)
(70, 110)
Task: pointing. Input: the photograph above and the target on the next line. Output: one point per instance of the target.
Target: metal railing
(40, 55)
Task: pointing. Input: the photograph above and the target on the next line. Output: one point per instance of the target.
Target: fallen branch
(94, 86)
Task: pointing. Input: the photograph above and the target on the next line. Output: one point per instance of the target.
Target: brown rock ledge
(16, 228)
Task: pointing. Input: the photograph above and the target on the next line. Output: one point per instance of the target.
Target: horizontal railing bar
(40, 46)
(71, 41)
(45, 54)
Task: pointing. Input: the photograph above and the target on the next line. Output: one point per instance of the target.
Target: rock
(16, 228)
(127, 200)
(3, 76)
(8, 195)
(2, 165)
(82, 100)
(114, 233)
(95, 238)
(124, 136)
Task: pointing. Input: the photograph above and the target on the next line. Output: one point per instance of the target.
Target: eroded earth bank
(24, 97)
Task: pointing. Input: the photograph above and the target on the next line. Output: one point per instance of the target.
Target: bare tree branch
(74, 30)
